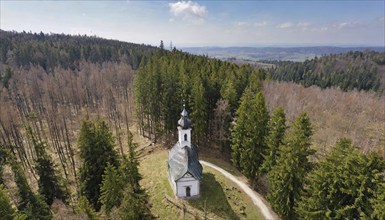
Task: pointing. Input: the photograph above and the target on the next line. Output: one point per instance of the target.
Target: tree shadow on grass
(216, 200)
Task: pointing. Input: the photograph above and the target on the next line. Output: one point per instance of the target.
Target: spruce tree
(111, 191)
(96, 151)
(49, 182)
(199, 108)
(277, 127)
(378, 203)
(33, 205)
(345, 185)
(129, 168)
(3, 158)
(134, 205)
(287, 177)
(249, 133)
(85, 208)
(6, 210)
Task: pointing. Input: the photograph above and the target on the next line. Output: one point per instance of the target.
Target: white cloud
(285, 25)
(241, 24)
(349, 25)
(381, 18)
(260, 24)
(188, 11)
(305, 26)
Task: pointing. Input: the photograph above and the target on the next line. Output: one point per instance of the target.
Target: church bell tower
(184, 129)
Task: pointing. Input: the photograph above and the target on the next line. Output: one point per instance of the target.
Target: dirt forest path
(255, 197)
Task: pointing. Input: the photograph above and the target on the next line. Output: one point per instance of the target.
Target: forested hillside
(348, 71)
(61, 96)
(229, 109)
(50, 51)
(65, 138)
(209, 88)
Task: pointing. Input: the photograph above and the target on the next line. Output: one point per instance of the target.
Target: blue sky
(206, 23)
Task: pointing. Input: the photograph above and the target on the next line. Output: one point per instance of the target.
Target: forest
(348, 71)
(69, 102)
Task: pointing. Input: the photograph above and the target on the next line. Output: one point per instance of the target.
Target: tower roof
(184, 121)
(184, 113)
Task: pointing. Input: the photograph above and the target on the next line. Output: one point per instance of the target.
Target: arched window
(185, 137)
(188, 191)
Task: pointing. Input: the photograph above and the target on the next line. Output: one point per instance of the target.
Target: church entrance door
(188, 191)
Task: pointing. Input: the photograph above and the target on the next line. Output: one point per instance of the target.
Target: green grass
(220, 197)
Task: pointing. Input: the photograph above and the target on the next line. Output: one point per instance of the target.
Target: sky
(206, 23)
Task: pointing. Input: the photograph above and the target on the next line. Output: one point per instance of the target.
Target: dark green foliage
(49, 181)
(346, 184)
(96, 151)
(111, 191)
(129, 168)
(134, 206)
(85, 208)
(353, 70)
(4, 78)
(6, 210)
(52, 50)
(249, 133)
(31, 204)
(274, 140)
(287, 177)
(170, 79)
(199, 112)
(3, 159)
(121, 189)
(378, 202)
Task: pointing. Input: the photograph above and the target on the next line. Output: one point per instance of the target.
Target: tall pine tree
(31, 204)
(6, 210)
(111, 191)
(50, 185)
(3, 158)
(277, 128)
(287, 177)
(249, 133)
(199, 109)
(85, 209)
(134, 202)
(129, 168)
(344, 185)
(96, 151)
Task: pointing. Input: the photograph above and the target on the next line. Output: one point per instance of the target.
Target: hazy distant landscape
(273, 53)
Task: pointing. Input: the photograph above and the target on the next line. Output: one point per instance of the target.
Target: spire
(184, 113)
(184, 121)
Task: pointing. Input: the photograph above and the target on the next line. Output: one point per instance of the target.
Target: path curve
(255, 197)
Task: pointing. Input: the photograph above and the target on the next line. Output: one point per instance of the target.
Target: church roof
(182, 160)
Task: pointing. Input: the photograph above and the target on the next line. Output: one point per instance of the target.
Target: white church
(184, 168)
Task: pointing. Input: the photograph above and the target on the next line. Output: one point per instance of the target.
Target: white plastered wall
(185, 182)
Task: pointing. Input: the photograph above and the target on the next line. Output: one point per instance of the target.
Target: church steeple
(184, 129)
(184, 121)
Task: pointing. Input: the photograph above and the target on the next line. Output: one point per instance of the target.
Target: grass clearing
(220, 197)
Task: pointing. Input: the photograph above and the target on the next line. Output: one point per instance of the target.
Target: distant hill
(52, 50)
(348, 71)
(273, 53)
